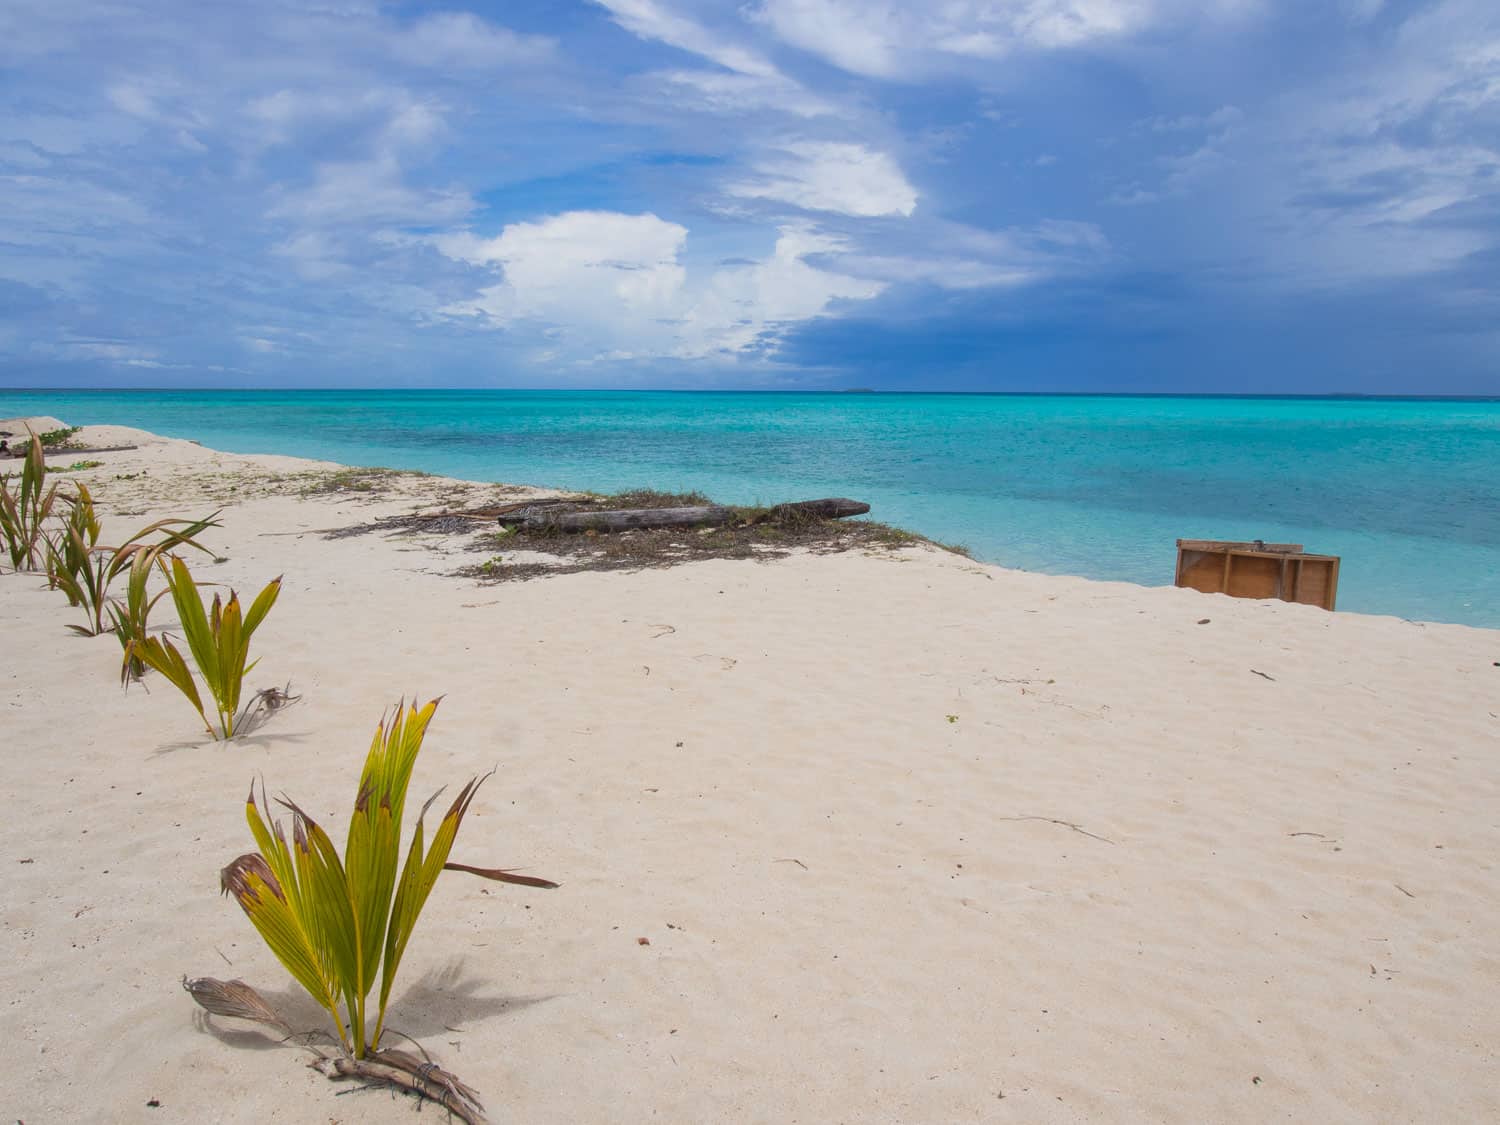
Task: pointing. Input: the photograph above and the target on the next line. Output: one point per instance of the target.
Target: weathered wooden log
(60, 450)
(626, 519)
(834, 508)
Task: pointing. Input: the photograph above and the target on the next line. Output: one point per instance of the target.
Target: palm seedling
(129, 617)
(339, 923)
(219, 640)
(69, 551)
(83, 570)
(24, 511)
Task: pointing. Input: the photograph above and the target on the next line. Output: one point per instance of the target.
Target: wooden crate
(1258, 570)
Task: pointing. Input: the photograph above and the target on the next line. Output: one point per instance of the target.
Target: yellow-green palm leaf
(338, 922)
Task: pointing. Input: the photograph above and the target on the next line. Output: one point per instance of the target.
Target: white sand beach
(910, 838)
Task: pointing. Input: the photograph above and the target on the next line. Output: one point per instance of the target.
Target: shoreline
(908, 836)
(286, 464)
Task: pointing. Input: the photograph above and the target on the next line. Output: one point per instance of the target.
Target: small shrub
(57, 437)
(219, 640)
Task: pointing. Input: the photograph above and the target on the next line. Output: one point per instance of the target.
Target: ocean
(1407, 491)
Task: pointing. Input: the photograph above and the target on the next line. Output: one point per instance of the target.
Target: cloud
(370, 191)
(848, 179)
(746, 80)
(718, 179)
(745, 307)
(651, 20)
(718, 92)
(578, 261)
(956, 256)
(889, 39)
(596, 284)
(462, 39)
(1364, 179)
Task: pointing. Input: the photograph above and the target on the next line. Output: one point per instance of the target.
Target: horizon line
(861, 391)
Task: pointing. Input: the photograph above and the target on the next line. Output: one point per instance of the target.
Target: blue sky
(1154, 195)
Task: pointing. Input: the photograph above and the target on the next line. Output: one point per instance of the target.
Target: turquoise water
(1407, 491)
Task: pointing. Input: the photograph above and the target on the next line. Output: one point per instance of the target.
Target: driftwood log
(625, 519)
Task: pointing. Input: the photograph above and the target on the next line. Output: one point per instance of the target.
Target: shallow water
(1407, 491)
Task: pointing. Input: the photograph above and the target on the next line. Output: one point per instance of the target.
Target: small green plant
(78, 466)
(219, 640)
(337, 924)
(57, 437)
(84, 571)
(68, 552)
(24, 512)
(129, 617)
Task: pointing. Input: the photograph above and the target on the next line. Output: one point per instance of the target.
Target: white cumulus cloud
(607, 284)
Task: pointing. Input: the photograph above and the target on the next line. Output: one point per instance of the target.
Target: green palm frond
(337, 923)
(218, 639)
(84, 571)
(24, 512)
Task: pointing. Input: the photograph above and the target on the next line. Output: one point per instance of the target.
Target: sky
(1241, 196)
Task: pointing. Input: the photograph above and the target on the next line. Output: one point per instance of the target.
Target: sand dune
(911, 838)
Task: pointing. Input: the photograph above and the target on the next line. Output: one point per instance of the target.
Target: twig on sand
(406, 1072)
(1262, 675)
(419, 1076)
(1061, 824)
(798, 862)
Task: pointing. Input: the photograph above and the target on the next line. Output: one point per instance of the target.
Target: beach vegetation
(356, 479)
(57, 437)
(84, 571)
(218, 637)
(129, 617)
(26, 503)
(68, 551)
(340, 924)
(650, 498)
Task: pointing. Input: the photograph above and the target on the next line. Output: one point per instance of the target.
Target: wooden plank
(1253, 575)
(1237, 545)
(1201, 570)
(1318, 583)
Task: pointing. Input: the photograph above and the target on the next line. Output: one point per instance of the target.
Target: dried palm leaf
(233, 998)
